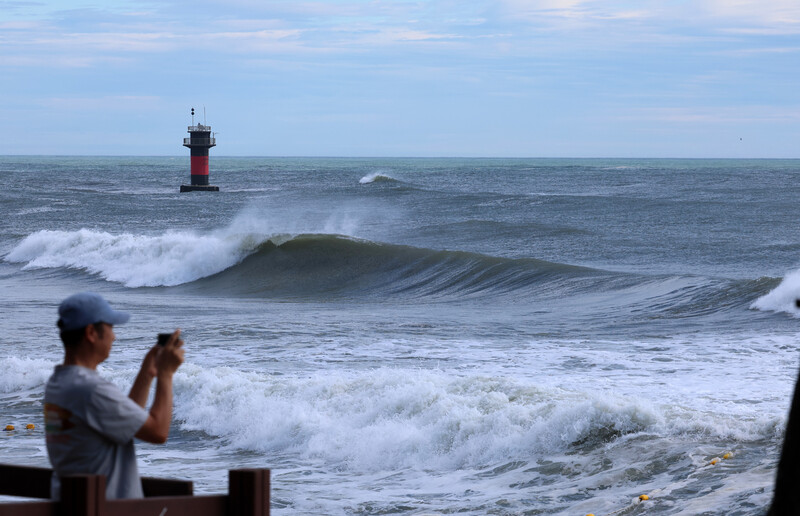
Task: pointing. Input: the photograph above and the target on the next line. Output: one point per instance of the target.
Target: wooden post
(248, 492)
(83, 495)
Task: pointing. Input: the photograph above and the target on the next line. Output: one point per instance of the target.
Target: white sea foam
(389, 419)
(294, 220)
(20, 374)
(781, 298)
(135, 260)
(38, 209)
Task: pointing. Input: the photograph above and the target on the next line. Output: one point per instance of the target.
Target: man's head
(80, 311)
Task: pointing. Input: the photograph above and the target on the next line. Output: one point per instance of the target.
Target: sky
(402, 78)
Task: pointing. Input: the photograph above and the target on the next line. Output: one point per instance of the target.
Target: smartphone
(163, 338)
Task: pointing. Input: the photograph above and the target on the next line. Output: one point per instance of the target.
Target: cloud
(747, 52)
(106, 103)
(716, 115)
(550, 11)
(19, 25)
(741, 16)
(254, 41)
(749, 12)
(369, 38)
(110, 42)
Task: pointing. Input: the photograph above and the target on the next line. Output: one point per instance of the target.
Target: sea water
(428, 336)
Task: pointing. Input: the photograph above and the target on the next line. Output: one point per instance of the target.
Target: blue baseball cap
(81, 310)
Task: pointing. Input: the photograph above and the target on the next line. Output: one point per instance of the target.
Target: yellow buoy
(714, 461)
(9, 428)
(30, 426)
(644, 497)
(727, 455)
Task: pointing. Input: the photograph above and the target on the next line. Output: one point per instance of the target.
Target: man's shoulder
(84, 393)
(73, 383)
(74, 376)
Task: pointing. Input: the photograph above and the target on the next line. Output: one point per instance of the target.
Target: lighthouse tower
(199, 141)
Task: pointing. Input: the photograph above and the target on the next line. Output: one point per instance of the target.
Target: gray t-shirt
(90, 426)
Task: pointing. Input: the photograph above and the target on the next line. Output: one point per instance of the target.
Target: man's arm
(156, 428)
(141, 385)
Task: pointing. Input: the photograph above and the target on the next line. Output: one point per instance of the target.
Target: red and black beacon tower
(199, 141)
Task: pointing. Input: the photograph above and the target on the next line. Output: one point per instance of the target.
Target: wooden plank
(34, 482)
(211, 505)
(26, 481)
(166, 487)
(29, 509)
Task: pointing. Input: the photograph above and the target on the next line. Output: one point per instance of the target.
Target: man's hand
(149, 370)
(170, 356)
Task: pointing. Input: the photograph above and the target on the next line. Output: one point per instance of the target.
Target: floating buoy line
(640, 499)
(644, 497)
(11, 428)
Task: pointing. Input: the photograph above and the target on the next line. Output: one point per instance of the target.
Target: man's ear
(90, 333)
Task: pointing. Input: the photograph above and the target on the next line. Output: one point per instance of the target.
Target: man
(89, 423)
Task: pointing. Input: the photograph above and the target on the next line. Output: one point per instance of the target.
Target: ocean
(428, 336)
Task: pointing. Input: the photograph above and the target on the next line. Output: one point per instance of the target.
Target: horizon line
(309, 156)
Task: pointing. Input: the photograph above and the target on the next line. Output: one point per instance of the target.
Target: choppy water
(424, 336)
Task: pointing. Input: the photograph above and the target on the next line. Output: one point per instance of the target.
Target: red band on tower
(199, 165)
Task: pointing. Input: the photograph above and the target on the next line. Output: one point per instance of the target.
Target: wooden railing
(84, 495)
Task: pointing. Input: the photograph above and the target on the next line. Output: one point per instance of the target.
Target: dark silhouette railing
(84, 495)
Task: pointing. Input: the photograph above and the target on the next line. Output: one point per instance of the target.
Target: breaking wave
(377, 177)
(313, 266)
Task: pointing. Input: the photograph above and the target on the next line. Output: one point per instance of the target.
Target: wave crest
(783, 297)
(311, 266)
(134, 260)
(377, 177)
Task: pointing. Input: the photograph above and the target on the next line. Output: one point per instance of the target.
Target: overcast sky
(551, 78)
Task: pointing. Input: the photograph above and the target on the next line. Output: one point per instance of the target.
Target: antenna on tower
(204, 115)
(192, 116)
